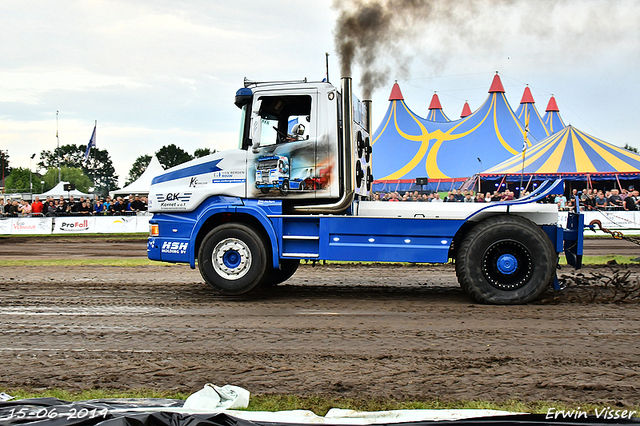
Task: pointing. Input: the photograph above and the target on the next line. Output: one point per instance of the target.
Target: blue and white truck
(212, 213)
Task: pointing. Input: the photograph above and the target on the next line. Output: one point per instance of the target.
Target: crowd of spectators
(454, 196)
(589, 199)
(598, 199)
(61, 206)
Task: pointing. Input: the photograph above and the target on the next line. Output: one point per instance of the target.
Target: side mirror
(298, 130)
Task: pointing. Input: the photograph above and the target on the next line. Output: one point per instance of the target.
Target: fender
(546, 188)
(258, 209)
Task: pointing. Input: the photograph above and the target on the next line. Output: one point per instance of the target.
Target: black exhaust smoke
(382, 37)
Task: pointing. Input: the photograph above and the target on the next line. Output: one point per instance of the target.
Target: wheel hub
(507, 265)
(231, 259)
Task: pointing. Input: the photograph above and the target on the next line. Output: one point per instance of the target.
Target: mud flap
(573, 239)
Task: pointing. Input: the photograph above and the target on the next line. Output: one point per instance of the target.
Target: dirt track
(376, 331)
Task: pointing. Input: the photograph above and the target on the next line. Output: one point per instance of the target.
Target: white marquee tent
(58, 191)
(142, 185)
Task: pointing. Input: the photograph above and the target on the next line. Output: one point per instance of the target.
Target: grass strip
(122, 262)
(134, 262)
(603, 260)
(135, 236)
(321, 404)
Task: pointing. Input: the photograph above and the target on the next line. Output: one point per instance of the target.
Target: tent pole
(500, 184)
(618, 179)
(527, 187)
(438, 185)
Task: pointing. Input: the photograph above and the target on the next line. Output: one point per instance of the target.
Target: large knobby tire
(233, 259)
(288, 267)
(505, 260)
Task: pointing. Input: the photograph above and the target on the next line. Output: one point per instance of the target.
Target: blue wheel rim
(507, 264)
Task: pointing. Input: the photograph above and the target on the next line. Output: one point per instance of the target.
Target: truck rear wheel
(505, 260)
(288, 267)
(232, 259)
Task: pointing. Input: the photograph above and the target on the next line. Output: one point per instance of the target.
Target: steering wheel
(282, 137)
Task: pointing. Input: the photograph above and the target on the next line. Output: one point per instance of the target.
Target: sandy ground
(404, 332)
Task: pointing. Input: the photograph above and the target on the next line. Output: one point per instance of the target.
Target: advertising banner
(5, 226)
(142, 224)
(613, 219)
(115, 224)
(30, 225)
(74, 225)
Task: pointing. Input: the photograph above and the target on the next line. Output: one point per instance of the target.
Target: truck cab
(297, 188)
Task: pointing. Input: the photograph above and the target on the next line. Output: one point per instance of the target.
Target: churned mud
(384, 331)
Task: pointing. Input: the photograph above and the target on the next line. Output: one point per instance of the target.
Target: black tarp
(158, 412)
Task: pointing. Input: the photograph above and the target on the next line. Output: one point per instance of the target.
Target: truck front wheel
(232, 259)
(506, 260)
(288, 267)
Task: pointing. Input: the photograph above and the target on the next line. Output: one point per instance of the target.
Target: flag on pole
(92, 143)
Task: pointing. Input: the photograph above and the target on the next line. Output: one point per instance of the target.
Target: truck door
(284, 126)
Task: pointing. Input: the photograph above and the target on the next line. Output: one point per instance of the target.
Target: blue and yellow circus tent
(527, 109)
(406, 146)
(552, 118)
(435, 111)
(572, 155)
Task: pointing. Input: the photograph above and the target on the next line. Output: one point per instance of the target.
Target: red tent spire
(496, 85)
(466, 111)
(527, 97)
(552, 106)
(435, 102)
(396, 94)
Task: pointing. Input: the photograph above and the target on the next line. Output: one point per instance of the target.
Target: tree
(18, 180)
(171, 156)
(98, 167)
(73, 175)
(201, 152)
(630, 148)
(138, 168)
(4, 160)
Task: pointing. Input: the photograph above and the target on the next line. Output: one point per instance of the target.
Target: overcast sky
(158, 72)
